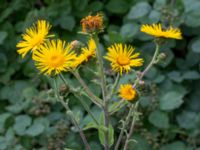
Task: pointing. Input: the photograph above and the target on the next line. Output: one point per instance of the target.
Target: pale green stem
(149, 66)
(103, 87)
(114, 86)
(132, 125)
(92, 97)
(85, 106)
(125, 123)
(136, 82)
(70, 113)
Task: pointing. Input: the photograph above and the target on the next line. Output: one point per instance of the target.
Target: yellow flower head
(91, 24)
(157, 31)
(127, 92)
(53, 57)
(86, 53)
(34, 37)
(122, 58)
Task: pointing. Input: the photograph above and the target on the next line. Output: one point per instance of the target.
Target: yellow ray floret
(127, 92)
(86, 53)
(54, 57)
(157, 31)
(34, 37)
(122, 58)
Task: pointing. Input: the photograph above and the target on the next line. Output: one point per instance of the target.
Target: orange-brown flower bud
(92, 24)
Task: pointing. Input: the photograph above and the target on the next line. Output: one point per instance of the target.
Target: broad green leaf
(139, 10)
(67, 22)
(3, 62)
(174, 146)
(171, 100)
(188, 120)
(35, 130)
(129, 30)
(175, 76)
(195, 45)
(3, 36)
(117, 6)
(191, 75)
(101, 133)
(3, 118)
(21, 124)
(159, 119)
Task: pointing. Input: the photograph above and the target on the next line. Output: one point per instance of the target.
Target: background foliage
(31, 119)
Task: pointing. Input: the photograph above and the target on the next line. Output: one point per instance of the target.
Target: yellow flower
(157, 31)
(127, 92)
(53, 57)
(122, 58)
(34, 37)
(91, 24)
(86, 53)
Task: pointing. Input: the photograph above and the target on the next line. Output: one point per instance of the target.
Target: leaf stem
(125, 123)
(86, 107)
(103, 87)
(132, 125)
(92, 97)
(70, 113)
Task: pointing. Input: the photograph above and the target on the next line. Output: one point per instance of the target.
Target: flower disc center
(123, 60)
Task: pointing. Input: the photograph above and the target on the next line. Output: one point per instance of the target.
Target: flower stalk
(70, 113)
(103, 88)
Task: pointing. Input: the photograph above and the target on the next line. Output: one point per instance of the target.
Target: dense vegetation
(30, 117)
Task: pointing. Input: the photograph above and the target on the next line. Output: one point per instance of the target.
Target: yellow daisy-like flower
(122, 58)
(91, 24)
(86, 54)
(157, 31)
(53, 57)
(127, 92)
(34, 37)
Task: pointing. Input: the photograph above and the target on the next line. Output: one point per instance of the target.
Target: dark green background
(31, 119)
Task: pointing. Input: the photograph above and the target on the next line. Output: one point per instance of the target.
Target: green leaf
(174, 146)
(101, 133)
(171, 100)
(21, 123)
(159, 119)
(191, 75)
(175, 76)
(35, 129)
(3, 62)
(3, 36)
(117, 6)
(139, 10)
(195, 45)
(67, 22)
(3, 118)
(188, 120)
(129, 30)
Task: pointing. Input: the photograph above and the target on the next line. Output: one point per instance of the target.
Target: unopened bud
(76, 45)
(162, 56)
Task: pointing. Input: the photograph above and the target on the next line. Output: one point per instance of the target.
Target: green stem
(86, 107)
(149, 66)
(125, 123)
(103, 88)
(132, 126)
(93, 97)
(70, 113)
(114, 86)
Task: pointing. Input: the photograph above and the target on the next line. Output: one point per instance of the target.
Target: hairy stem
(93, 97)
(148, 67)
(103, 88)
(86, 107)
(70, 113)
(114, 86)
(125, 123)
(132, 126)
